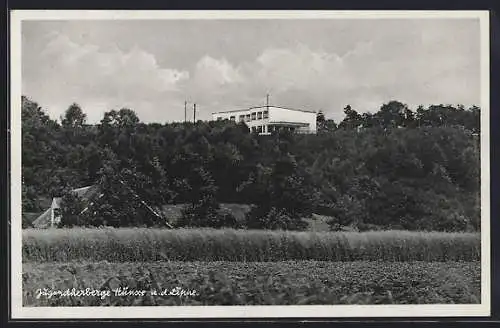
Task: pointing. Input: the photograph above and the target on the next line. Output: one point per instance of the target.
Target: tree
(324, 125)
(282, 192)
(471, 119)
(116, 130)
(352, 119)
(320, 121)
(123, 118)
(121, 205)
(320, 118)
(203, 211)
(73, 117)
(29, 201)
(369, 120)
(39, 148)
(423, 177)
(409, 118)
(352, 207)
(72, 210)
(394, 114)
(347, 211)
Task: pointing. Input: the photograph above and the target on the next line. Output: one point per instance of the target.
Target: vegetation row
(124, 245)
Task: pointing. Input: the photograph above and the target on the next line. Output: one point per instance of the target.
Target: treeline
(394, 169)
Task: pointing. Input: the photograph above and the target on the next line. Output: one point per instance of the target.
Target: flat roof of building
(284, 123)
(250, 108)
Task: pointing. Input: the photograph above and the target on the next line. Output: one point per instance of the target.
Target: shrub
(206, 214)
(274, 218)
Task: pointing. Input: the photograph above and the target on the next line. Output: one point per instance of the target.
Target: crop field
(238, 267)
(256, 283)
(146, 245)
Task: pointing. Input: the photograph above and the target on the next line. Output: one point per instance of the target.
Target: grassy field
(129, 245)
(239, 267)
(252, 283)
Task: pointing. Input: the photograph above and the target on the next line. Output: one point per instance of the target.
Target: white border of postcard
(186, 312)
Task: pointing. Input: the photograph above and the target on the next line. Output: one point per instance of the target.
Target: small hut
(52, 216)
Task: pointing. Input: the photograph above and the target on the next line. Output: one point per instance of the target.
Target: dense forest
(395, 168)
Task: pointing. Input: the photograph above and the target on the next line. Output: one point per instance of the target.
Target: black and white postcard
(249, 164)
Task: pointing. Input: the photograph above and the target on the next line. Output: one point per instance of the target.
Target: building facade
(266, 119)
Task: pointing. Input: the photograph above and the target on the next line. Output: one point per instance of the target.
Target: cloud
(87, 74)
(295, 68)
(219, 72)
(213, 79)
(295, 77)
(364, 77)
(414, 62)
(367, 76)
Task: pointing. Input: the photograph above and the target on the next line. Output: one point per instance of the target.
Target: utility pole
(185, 111)
(194, 113)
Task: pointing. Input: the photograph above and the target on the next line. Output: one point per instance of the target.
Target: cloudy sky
(152, 67)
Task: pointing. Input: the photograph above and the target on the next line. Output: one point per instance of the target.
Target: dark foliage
(395, 168)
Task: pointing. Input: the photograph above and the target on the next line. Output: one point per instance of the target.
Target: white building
(266, 119)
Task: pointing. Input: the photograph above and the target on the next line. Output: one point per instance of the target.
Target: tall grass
(125, 245)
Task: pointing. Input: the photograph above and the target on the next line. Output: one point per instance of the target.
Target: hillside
(397, 168)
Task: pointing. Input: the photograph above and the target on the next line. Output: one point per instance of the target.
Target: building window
(219, 118)
(248, 117)
(242, 118)
(253, 116)
(266, 114)
(254, 129)
(233, 118)
(259, 129)
(259, 115)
